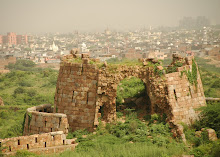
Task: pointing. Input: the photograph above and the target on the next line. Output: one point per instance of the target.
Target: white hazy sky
(95, 15)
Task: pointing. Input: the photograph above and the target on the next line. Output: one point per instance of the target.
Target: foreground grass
(105, 149)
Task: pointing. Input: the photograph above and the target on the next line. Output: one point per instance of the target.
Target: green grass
(211, 83)
(129, 87)
(37, 88)
(105, 148)
(11, 121)
(203, 64)
(127, 62)
(23, 87)
(132, 138)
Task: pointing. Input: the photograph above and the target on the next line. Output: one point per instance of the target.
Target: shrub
(155, 117)
(77, 134)
(25, 83)
(216, 84)
(132, 87)
(133, 126)
(24, 65)
(210, 117)
(119, 114)
(19, 90)
(31, 92)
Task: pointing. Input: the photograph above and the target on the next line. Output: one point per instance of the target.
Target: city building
(22, 39)
(12, 39)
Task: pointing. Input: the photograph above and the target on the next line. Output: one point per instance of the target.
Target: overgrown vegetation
(128, 62)
(191, 75)
(23, 87)
(200, 144)
(129, 87)
(173, 68)
(210, 117)
(132, 138)
(210, 77)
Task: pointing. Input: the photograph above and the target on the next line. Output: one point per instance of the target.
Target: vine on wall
(192, 76)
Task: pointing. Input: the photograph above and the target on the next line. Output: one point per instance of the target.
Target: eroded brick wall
(184, 98)
(38, 120)
(108, 81)
(76, 94)
(46, 143)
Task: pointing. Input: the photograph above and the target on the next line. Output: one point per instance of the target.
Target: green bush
(119, 114)
(216, 84)
(211, 149)
(132, 87)
(25, 83)
(24, 65)
(19, 90)
(210, 117)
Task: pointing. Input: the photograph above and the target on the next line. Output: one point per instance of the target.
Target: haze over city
(39, 16)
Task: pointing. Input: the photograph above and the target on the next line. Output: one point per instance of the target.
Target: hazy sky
(23, 16)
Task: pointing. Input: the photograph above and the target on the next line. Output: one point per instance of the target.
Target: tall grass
(101, 149)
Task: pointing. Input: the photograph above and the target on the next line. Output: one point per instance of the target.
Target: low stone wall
(210, 99)
(39, 119)
(46, 143)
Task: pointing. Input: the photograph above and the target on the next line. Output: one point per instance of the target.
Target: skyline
(40, 16)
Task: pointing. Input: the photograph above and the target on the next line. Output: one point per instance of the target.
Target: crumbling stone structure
(41, 119)
(84, 85)
(45, 143)
(75, 95)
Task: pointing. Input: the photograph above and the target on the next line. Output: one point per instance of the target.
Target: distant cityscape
(191, 38)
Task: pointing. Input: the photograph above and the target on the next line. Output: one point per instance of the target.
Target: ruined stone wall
(76, 93)
(83, 87)
(46, 143)
(183, 97)
(39, 119)
(109, 79)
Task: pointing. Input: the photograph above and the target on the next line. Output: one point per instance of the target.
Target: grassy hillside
(22, 88)
(210, 75)
(27, 86)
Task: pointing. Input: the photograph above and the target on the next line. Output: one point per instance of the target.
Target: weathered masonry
(45, 143)
(41, 119)
(84, 85)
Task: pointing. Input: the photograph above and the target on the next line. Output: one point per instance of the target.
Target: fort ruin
(84, 85)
